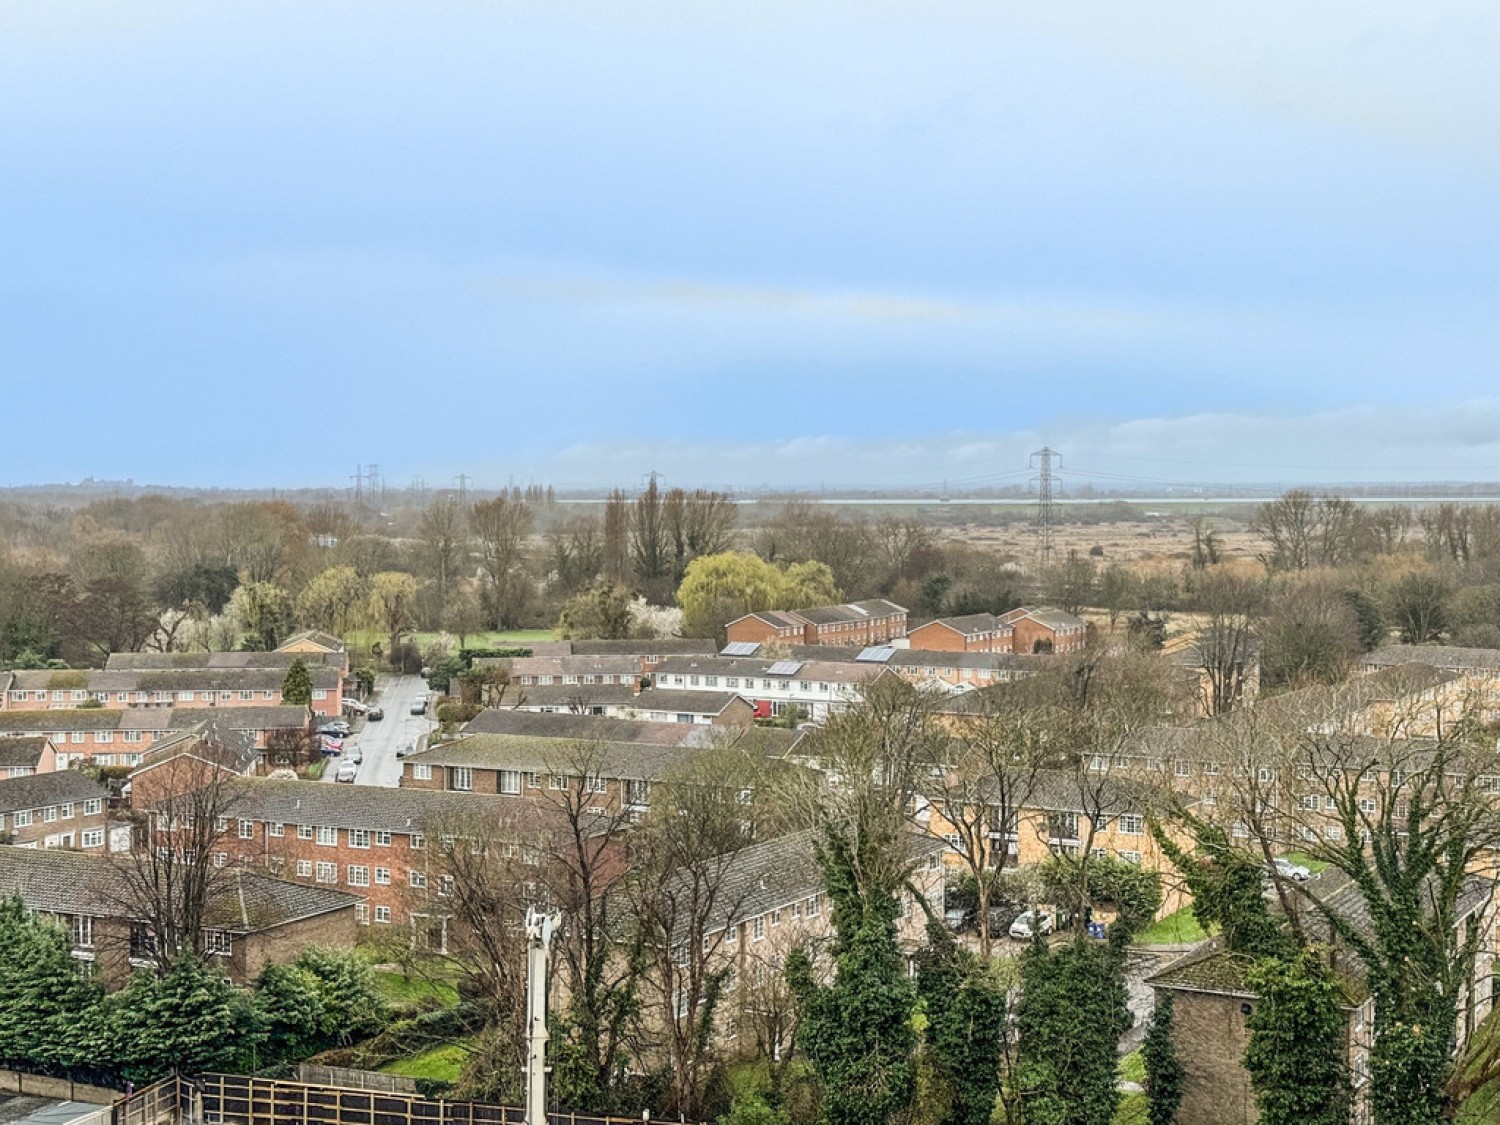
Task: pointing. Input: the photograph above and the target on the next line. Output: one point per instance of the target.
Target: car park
(1030, 923)
(348, 771)
(376, 714)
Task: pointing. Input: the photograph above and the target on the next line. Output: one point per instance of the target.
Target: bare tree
(502, 526)
(443, 544)
(696, 523)
(1233, 604)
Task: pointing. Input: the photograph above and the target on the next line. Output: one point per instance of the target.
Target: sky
(878, 245)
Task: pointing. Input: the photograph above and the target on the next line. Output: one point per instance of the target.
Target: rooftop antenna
(1042, 459)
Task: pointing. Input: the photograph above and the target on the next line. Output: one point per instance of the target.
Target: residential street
(379, 741)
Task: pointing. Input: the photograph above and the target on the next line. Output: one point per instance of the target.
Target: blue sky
(771, 243)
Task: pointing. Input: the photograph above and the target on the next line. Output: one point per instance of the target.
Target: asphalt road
(378, 741)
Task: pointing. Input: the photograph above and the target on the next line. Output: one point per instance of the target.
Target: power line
(1043, 459)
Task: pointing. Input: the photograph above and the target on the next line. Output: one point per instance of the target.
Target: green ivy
(1164, 1071)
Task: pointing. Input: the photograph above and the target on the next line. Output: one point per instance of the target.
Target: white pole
(539, 929)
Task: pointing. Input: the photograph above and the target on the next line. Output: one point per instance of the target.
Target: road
(378, 741)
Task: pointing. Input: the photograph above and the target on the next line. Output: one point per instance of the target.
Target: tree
(696, 523)
(462, 616)
(649, 551)
(1233, 604)
(392, 597)
(49, 1007)
(263, 613)
(331, 597)
(615, 556)
(1309, 635)
(1071, 585)
(601, 611)
(296, 688)
(502, 527)
(1297, 1042)
(1164, 1072)
(443, 543)
(964, 999)
(1369, 621)
(719, 588)
(575, 553)
(1418, 607)
(115, 611)
(1305, 531)
(184, 1021)
(1072, 1013)
(290, 1011)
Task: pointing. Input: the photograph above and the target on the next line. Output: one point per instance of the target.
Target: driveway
(379, 741)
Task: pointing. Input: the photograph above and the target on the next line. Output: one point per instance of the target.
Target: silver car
(348, 771)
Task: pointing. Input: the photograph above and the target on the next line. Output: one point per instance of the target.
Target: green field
(1174, 929)
(411, 991)
(443, 1063)
(1313, 865)
(361, 639)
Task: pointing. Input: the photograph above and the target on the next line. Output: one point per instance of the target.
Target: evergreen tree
(49, 1006)
(1296, 1052)
(187, 1019)
(296, 689)
(965, 1006)
(1163, 1067)
(1072, 1013)
(290, 1010)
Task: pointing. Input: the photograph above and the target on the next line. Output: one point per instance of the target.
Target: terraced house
(61, 809)
(122, 737)
(163, 687)
(856, 623)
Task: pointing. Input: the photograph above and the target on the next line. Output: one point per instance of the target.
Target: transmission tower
(359, 483)
(462, 480)
(1043, 459)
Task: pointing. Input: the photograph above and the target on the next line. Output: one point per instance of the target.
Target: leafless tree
(444, 542)
(696, 523)
(502, 527)
(1233, 604)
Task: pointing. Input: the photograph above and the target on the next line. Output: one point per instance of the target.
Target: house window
(83, 931)
(758, 929)
(359, 837)
(510, 781)
(533, 781)
(77, 736)
(277, 829)
(304, 868)
(1367, 804)
(597, 784)
(382, 876)
(247, 829)
(359, 876)
(92, 838)
(421, 772)
(445, 885)
(1211, 769)
(1132, 824)
(328, 872)
(462, 778)
(65, 811)
(321, 693)
(382, 839)
(362, 913)
(304, 832)
(1131, 857)
(328, 837)
(418, 879)
(418, 842)
(382, 914)
(814, 905)
(218, 943)
(49, 814)
(1241, 831)
(104, 736)
(23, 818)
(1311, 802)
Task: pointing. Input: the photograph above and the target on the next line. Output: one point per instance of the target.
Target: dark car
(419, 706)
(375, 715)
(406, 749)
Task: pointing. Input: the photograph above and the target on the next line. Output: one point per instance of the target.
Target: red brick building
(61, 809)
(121, 737)
(22, 757)
(1041, 629)
(857, 623)
(973, 632)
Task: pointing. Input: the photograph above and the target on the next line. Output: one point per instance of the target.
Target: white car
(1293, 871)
(1029, 923)
(356, 755)
(348, 771)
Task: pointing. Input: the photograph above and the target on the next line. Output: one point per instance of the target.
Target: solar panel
(876, 654)
(740, 648)
(784, 668)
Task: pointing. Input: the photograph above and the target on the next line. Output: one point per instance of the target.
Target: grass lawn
(405, 991)
(362, 639)
(1174, 929)
(1132, 1111)
(314, 770)
(442, 1063)
(1313, 865)
(1133, 1068)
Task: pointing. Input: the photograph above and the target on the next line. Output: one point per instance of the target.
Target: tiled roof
(68, 719)
(969, 624)
(567, 695)
(317, 637)
(66, 882)
(400, 811)
(177, 661)
(1438, 656)
(269, 717)
(662, 646)
(20, 752)
(37, 790)
(938, 658)
(713, 666)
(850, 612)
(1208, 967)
(685, 701)
(575, 666)
(181, 679)
(590, 728)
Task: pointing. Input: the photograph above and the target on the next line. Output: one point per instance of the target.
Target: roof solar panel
(876, 654)
(784, 668)
(740, 648)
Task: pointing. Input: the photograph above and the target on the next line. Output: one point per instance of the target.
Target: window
(533, 781)
(218, 943)
(510, 781)
(328, 872)
(359, 876)
(382, 839)
(557, 782)
(328, 837)
(77, 736)
(247, 829)
(23, 818)
(382, 876)
(462, 778)
(1367, 804)
(104, 736)
(362, 913)
(418, 842)
(304, 831)
(445, 885)
(1241, 831)
(49, 814)
(1311, 802)
(758, 929)
(1181, 769)
(1131, 857)
(304, 868)
(359, 837)
(132, 736)
(277, 829)
(1211, 769)
(91, 838)
(1063, 825)
(320, 693)
(83, 931)
(418, 879)
(93, 806)
(382, 914)
(421, 772)
(65, 811)
(814, 905)
(1132, 824)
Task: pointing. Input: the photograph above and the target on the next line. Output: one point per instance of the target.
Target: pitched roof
(569, 727)
(684, 701)
(176, 661)
(661, 646)
(567, 695)
(850, 612)
(21, 752)
(939, 658)
(970, 624)
(323, 677)
(54, 881)
(316, 637)
(1438, 656)
(61, 719)
(399, 811)
(37, 790)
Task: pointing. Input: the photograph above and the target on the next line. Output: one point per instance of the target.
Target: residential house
(773, 687)
(113, 736)
(971, 632)
(1039, 629)
(252, 920)
(22, 757)
(61, 809)
(710, 708)
(167, 687)
(857, 623)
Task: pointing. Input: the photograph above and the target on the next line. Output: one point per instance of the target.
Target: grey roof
(939, 658)
(38, 790)
(1438, 656)
(229, 747)
(175, 679)
(685, 701)
(54, 881)
(661, 646)
(278, 717)
(574, 728)
(567, 695)
(400, 811)
(317, 637)
(776, 617)
(63, 718)
(21, 752)
(575, 665)
(712, 666)
(970, 624)
(849, 612)
(176, 661)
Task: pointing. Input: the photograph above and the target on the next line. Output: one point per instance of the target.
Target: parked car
(419, 706)
(1030, 923)
(348, 771)
(1293, 871)
(405, 749)
(337, 729)
(332, 747)
(356, 755)
(376, 714)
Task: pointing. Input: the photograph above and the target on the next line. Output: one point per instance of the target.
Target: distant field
(362, 639)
